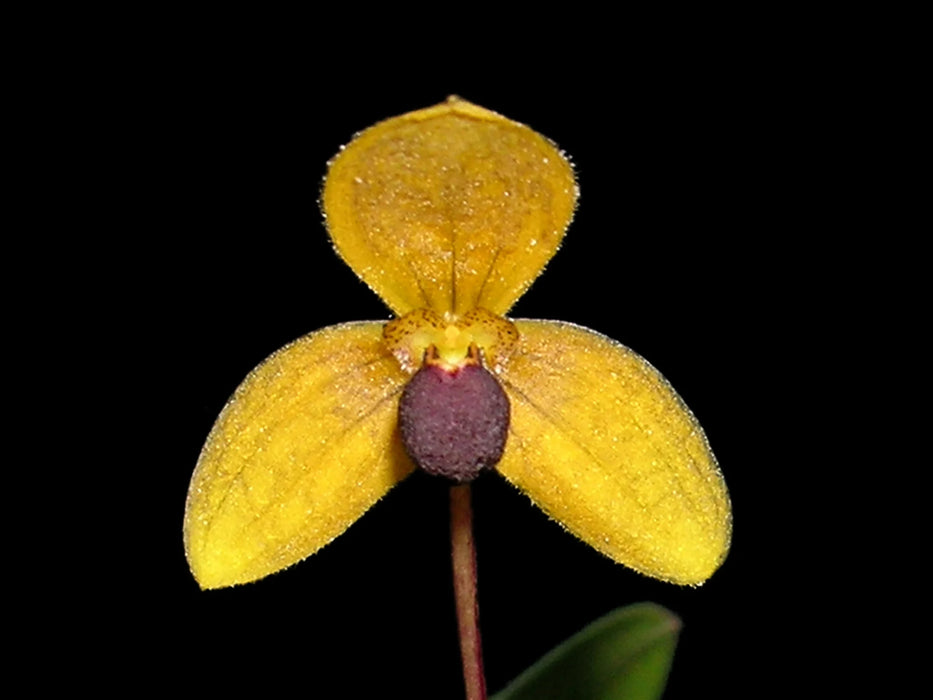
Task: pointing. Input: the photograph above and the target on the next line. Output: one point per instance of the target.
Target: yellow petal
(449, 208)
(601, 442)
(305, 446)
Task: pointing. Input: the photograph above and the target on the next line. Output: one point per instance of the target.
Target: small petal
(449, 208)
(303, 448)
(601, 442)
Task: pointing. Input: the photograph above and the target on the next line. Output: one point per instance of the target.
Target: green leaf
(626, 654)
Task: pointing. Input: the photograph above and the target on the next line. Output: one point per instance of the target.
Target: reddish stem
(464, 563)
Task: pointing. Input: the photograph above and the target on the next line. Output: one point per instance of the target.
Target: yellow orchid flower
(449, 213)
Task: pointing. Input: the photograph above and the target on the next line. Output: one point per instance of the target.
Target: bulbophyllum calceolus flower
(448, 214)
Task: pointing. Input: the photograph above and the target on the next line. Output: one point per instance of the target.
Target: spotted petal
(305, 446)
(602, 443)
(450, 208)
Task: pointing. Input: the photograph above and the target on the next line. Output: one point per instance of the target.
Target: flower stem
(464, 563)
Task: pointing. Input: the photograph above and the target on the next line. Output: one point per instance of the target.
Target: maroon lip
(454, 423)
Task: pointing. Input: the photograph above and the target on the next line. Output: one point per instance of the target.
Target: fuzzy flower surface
(449, 214)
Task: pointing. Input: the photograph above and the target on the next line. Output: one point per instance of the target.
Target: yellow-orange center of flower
(450, 338)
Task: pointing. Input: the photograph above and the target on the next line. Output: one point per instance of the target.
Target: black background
(686, 247)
